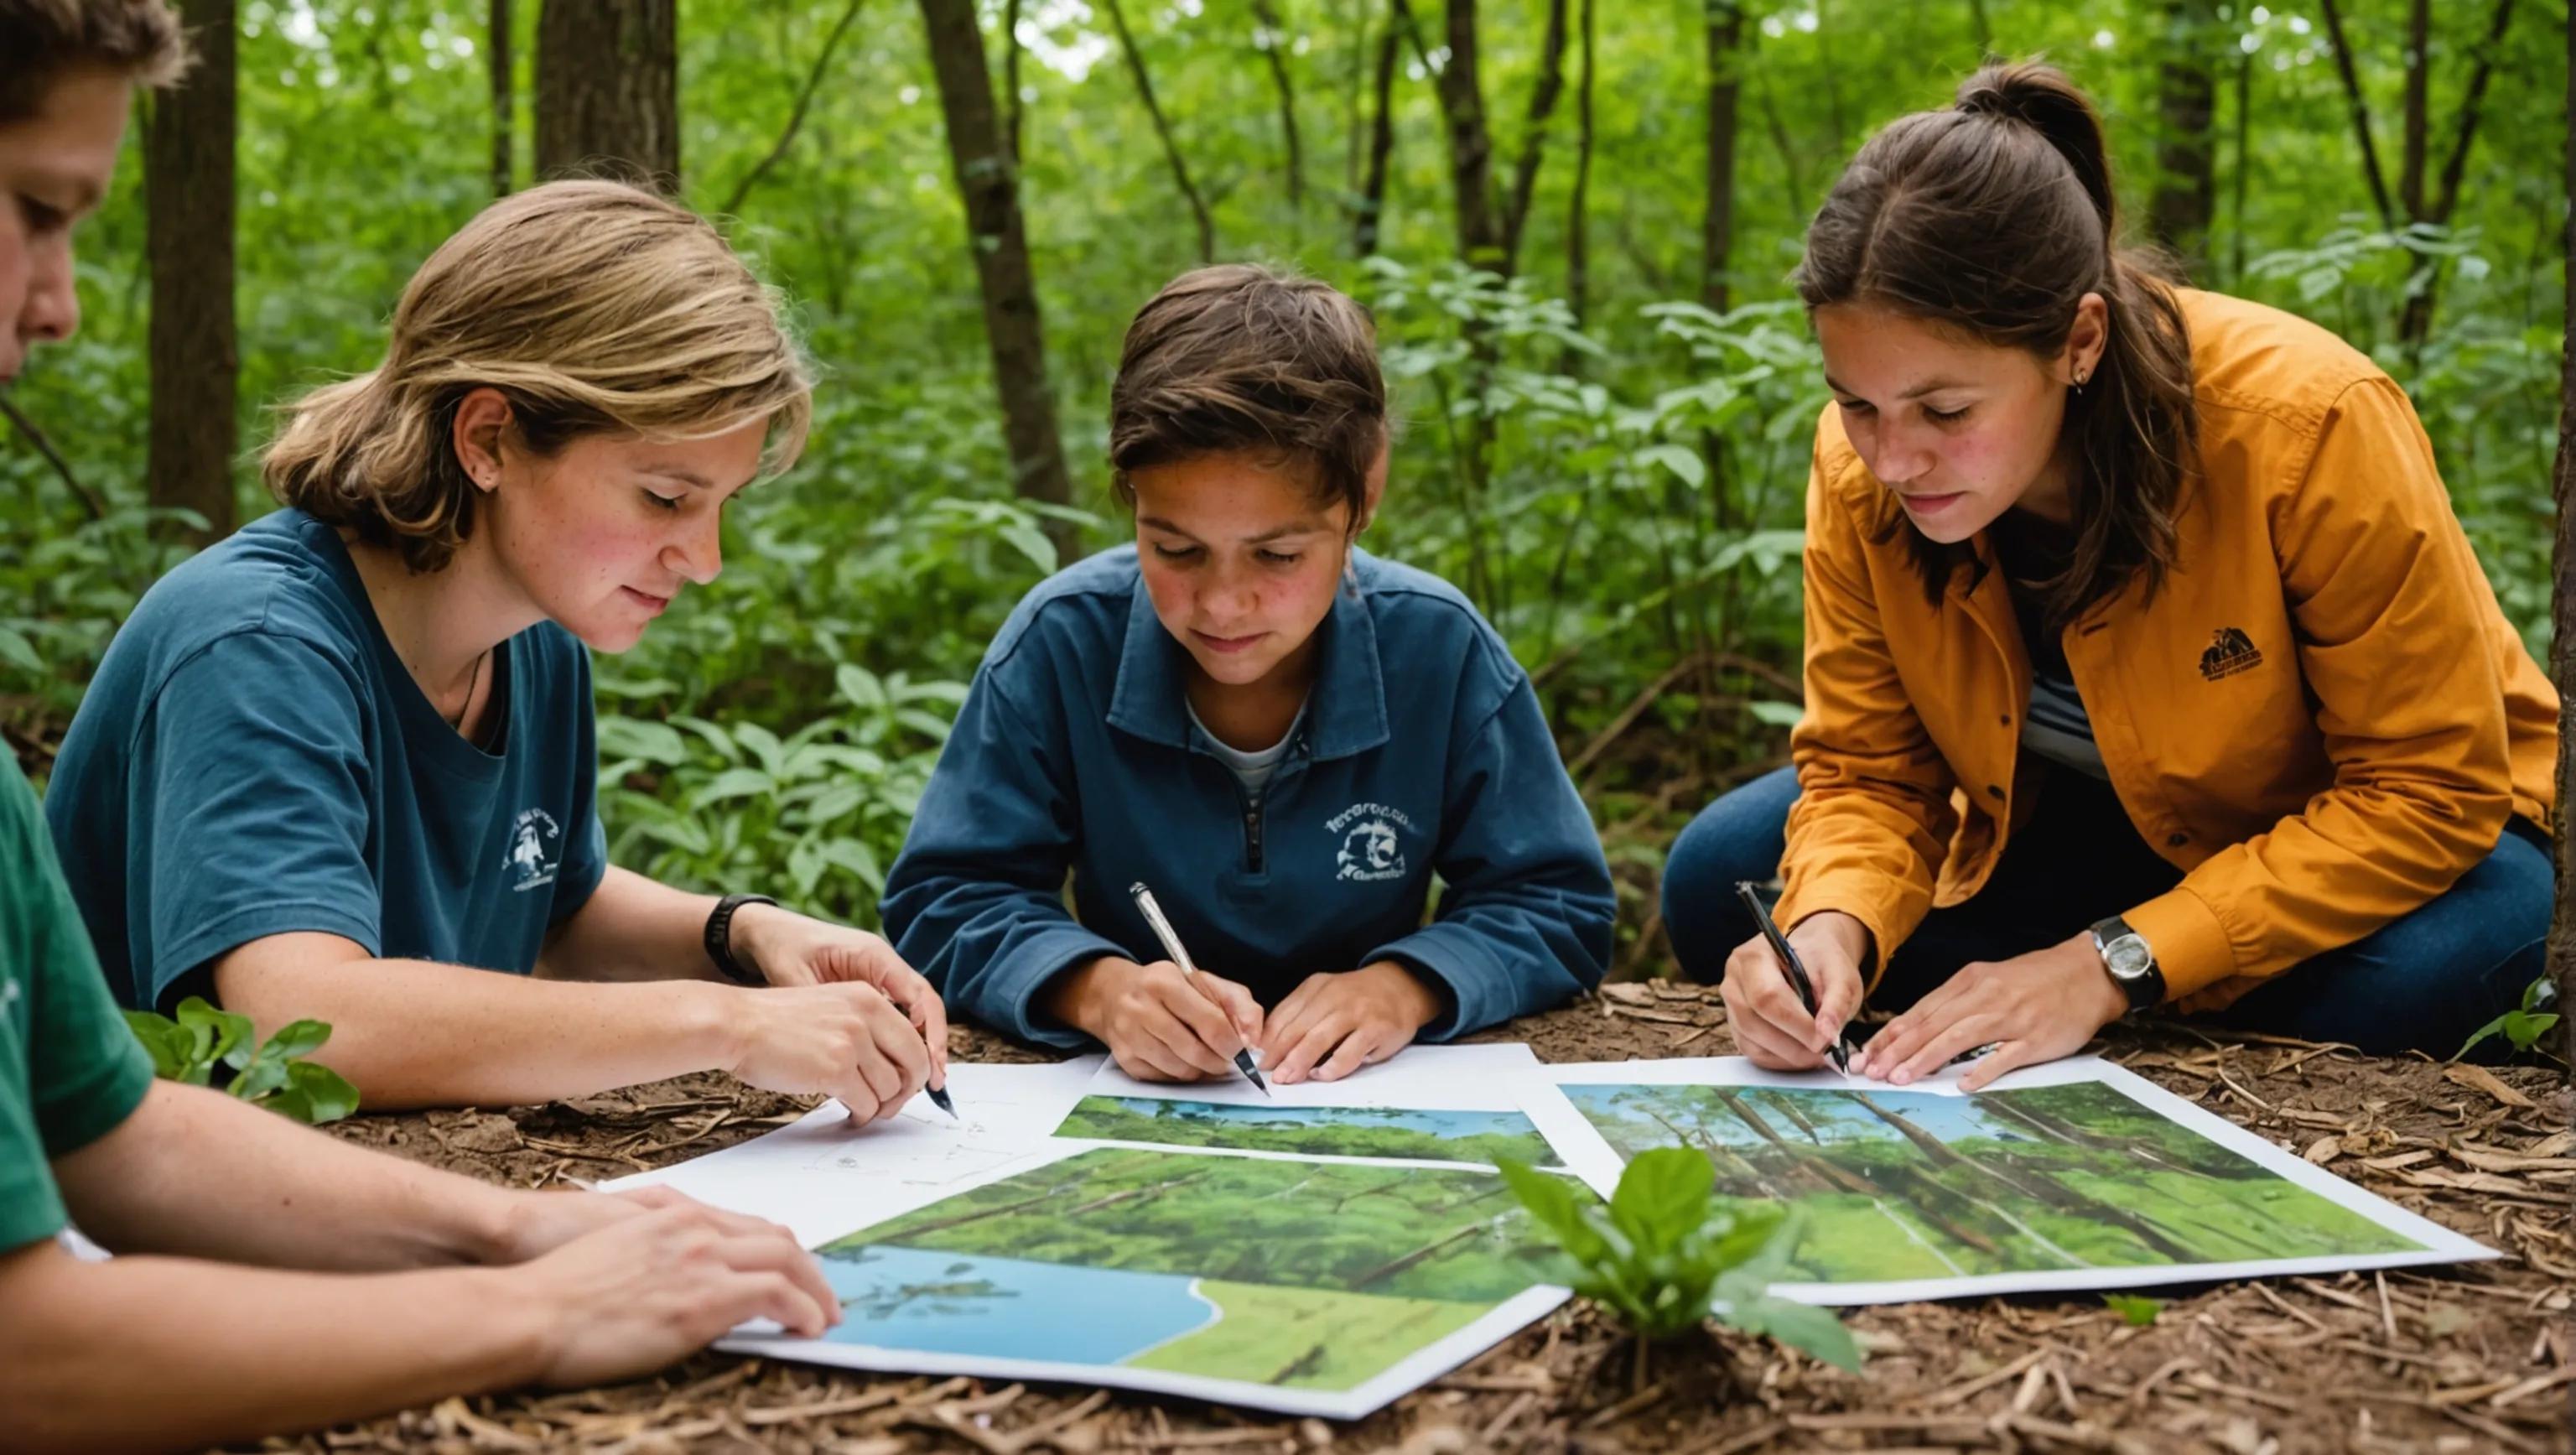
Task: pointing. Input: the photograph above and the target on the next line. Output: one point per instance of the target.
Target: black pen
(1797, 971)
(1171, 939)
(939, 1099)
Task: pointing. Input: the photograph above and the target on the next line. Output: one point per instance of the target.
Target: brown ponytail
(1995, 218)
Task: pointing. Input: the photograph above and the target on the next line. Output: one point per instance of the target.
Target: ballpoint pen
(1163, 931)
(1797, 971)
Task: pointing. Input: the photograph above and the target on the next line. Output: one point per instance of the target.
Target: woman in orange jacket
(2146, 663)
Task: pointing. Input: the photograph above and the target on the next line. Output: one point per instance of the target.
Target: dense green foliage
(1618, 484)
(271, 1073)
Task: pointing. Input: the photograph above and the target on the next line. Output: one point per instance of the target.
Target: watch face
(2128, 957)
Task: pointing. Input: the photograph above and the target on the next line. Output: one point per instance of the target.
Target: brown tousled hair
(1993, 219)
(1251, 359)
(595, 308)
(46, 39)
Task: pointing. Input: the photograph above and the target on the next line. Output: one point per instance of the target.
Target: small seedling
(274, 1075)
(1665, 1254)
(2136, 1309)
(2524, 1025)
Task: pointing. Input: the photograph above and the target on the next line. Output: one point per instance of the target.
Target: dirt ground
(2480, 1357)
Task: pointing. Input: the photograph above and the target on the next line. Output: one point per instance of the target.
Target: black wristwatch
(2131, 963)
(719, 938)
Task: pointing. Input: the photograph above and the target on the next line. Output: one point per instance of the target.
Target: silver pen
(1163, 931)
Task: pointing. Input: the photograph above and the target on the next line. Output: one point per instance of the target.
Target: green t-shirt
(69, 1068)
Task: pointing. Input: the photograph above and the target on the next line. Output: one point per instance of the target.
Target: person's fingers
(1199, 1017)
(1763, 983)
(1771, 1050)
(899, 1042)
(1901, 1037)
(769, 1248)
(857, 1097)
(1177, 1049)
(1837, 1001)
(1288, 1025)
(1327, 1032)
(1779, 1022)
(2010, 1056)
(774, 1295)
(883, 1076)
(1239, 1006)
(1357, 1049)
(1975, 1026)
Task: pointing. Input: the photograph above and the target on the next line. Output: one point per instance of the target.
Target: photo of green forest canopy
(1482, 1137)
(1403, 1232)
(1899, 1185)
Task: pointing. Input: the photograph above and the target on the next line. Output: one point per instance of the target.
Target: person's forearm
(632, 928)
(165, 1353)
(200, 1174)
(410, 1033)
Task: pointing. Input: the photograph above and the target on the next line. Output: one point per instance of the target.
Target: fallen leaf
(2479, 1078)
(2323, 1150)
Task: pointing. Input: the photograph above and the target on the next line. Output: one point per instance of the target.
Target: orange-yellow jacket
(2322, 717)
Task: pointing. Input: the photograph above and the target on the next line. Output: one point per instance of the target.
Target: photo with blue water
(1008, 1308)
(1478, 1137)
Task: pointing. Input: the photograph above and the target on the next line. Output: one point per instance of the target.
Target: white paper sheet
(1590, 1155)
(821, 1177)
(1418, 1078)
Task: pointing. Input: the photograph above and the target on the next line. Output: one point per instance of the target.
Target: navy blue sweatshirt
(1422, 752)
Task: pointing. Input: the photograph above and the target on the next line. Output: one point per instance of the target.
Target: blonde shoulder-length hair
(594, 308)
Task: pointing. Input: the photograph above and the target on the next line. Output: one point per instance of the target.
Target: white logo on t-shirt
(536, 849)
(1370, 849)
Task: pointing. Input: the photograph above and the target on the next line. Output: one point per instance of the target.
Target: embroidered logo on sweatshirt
(2230, 652)
(1370, 850)
(536, 849)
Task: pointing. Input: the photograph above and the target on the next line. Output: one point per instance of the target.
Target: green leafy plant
(273, 1074)
(2136, 1309)
(1665, 1254)
(2525, 1024)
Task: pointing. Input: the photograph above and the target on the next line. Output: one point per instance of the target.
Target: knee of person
(1739, 837)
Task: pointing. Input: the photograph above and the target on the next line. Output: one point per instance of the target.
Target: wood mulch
(2480, 1357)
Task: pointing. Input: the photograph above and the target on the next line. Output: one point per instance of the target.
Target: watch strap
(719, 938)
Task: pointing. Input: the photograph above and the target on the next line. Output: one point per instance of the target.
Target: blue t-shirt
(253, 759)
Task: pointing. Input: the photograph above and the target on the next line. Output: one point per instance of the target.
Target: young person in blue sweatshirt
(1284, 737)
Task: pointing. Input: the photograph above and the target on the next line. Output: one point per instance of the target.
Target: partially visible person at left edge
(342, 764)
(1283, 736)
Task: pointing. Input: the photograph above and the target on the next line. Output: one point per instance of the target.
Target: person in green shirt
(238, 1233)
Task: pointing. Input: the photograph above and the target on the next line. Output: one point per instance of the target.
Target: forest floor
(2480, 1357)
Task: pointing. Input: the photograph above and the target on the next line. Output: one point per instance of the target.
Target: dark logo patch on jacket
(2230, 652)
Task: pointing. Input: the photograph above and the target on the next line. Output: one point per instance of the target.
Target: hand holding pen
(1162, 1021)
(1789, 996)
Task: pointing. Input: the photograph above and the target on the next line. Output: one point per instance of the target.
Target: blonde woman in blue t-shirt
(341, 765)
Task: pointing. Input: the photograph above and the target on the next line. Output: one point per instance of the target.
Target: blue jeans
(2425, 981)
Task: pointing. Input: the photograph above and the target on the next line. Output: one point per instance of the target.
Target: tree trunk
(1578, 223)
(1471, 142)
(1163, 130)
(1014, 108)
(1725, 83)
(796, 114)
(1543, 98)
(1369, 226)
(2359, 107)
(2562, 616)
(188, 162)
(2244, 160)
(1274, 50)
(2186, 193)
(997, 237)
(2418, 108)
(504, 98)
(608, 90)
(2417, 323)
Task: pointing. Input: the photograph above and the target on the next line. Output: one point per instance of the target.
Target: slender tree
(2243, 171)
(1725, 39)
(1471, 141)
(2420, 207)
(997, 237)
(608, 90)
(1369, 212)
(1180, 166)
(1578, 222)
(796, 114)
(497, 60)
(188, 164)
(2562, 618)
(1272, 40)
(1542, 107)
(2186, 191)
(1014, 105)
